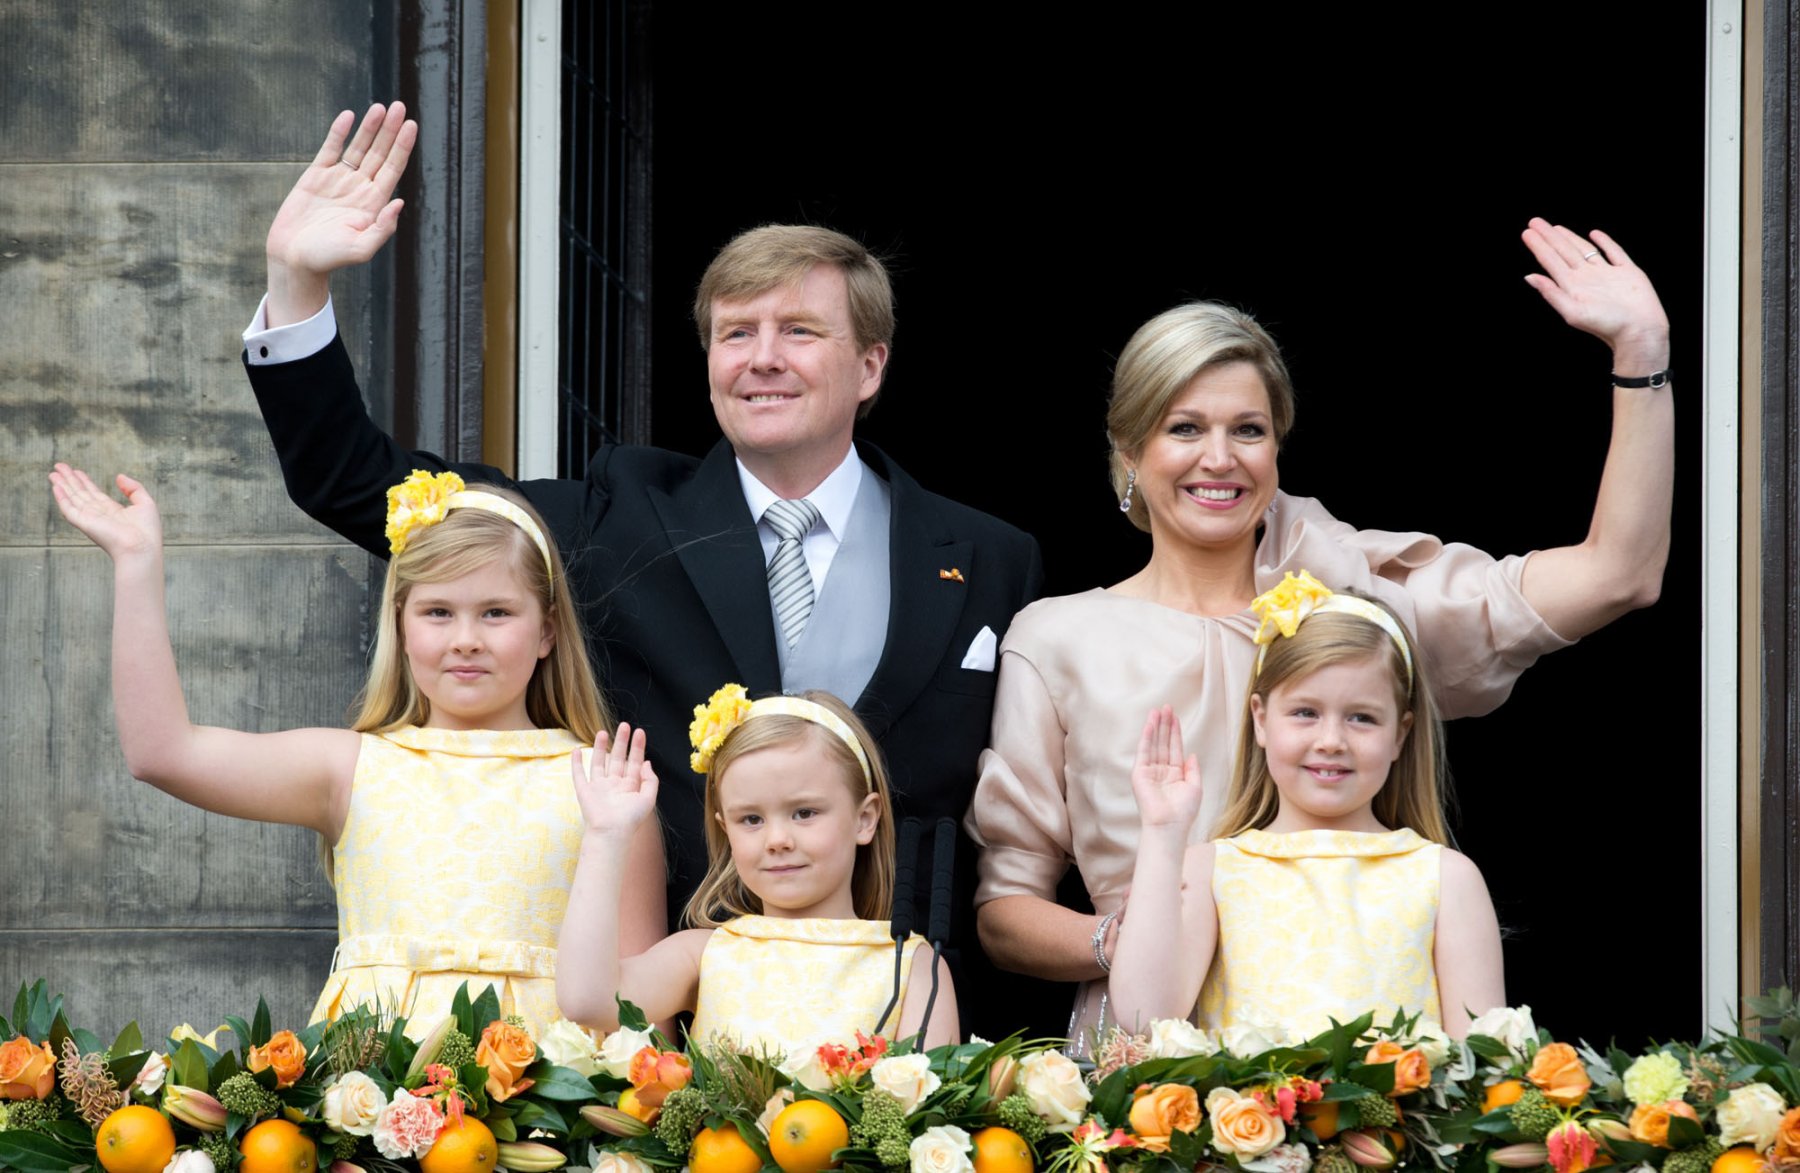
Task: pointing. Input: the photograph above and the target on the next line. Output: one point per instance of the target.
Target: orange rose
(1558, 1073)
(1158, 1111)
(1786, 1148)
(657, 1073)
(1412, 1073)
(506, 1051)
(1650, 1122)
(285, 1054)
(27, 1070)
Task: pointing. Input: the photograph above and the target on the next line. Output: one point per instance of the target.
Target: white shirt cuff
(266, 347)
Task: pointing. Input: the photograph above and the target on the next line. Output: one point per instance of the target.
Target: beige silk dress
(1078, 675)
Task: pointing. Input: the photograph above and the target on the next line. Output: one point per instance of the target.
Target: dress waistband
(431, 954)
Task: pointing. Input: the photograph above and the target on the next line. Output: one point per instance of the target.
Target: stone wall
(143, 149)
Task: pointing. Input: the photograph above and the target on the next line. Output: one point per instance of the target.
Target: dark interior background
(1357, 179)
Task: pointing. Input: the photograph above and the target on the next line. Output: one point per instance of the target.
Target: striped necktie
(790, 582)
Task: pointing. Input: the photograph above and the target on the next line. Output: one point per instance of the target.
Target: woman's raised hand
(121, 530)
(1595, 287)
(1166, 784)
(617, 788)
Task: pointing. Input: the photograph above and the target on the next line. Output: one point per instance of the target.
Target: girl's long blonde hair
(722, 894)
(1417, 784)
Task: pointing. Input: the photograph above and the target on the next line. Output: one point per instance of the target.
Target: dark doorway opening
(1357, 183)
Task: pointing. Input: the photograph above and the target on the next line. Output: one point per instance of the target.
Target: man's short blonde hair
(781, 254)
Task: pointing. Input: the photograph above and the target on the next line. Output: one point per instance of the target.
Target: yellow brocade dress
(454, 865)
(1321, 924)
(777, 983)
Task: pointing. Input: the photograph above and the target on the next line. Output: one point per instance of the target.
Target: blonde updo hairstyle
(1417, 784)
(1168, 353)
(722, 894)
(562, 694)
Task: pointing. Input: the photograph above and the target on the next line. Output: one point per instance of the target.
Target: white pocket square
(980, 656)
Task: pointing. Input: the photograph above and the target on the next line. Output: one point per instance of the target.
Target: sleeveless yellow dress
(454, 865)
(772, 983)
(1321, 924)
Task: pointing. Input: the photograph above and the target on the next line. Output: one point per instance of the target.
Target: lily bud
(528, 1156)
(428, 1051)
(613, 1122)
(1368, 1150)
(194, 1108)
(346, 1167)
(1605, 1130)
(1002, 1073)
(1520, 1156)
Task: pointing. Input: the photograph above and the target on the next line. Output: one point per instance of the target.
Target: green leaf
(502, 1128)
(1624, 1152)
(130, 1039)
(59, 1030)
(124, 1069)
(547, 1117)
(630, 1017)
(33, 1152)
(188, 1067)
(225, 1068)
(1489, 1048)
(22, 1009)
(75, 1133)
(486, 1009)
(1684, 1132)
(87, 1041)
(463, 1012)
(234, 1124)
(558, 1083)
(240, 1030)
(1377, 1077)
(260, 1030)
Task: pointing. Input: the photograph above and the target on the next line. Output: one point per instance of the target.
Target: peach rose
(1558, 1073)
(27, 1070)
(657, 1073)
(506, 1051)
(1241, 1125)
(1787, 1139)
(285, 1054)
(1649, 1123)
(1158, 1111)
(1411, 1072)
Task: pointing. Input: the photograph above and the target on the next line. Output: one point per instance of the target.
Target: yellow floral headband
(424, 499)
(1284, 606)
(731, 706)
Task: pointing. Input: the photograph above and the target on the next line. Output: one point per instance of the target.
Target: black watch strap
(1656, 379)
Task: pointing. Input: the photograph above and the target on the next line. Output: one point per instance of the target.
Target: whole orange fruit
(278, 1146)
(1001, 1150)
(722, 1150)
(135, 1139)
(1322, 1117)
(1502, 1094)
(461, 1147)
(1742, 1159)
(805, 1135)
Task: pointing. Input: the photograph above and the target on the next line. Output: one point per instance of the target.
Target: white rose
(189, 1161)
(1245, 1040)
(908, 1078)
(803, 1067)
(150, 1079)
(568, 1045)
(772, 1109)
(611, 1162)
(942, 1148)
(353, 1101)
(1432, 1042)
(1052, 1085)
(1177, 1038)
(617, 1049)
(1283, 1158)
(1511, 1027)
(1751, 1115)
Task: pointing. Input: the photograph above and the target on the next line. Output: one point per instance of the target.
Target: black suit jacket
(665, 561)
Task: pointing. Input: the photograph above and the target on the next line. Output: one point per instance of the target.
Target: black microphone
(905, 867)
(943, 879)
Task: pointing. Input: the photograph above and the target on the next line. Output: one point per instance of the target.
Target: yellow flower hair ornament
(1283, 607)
(424, 499)
(723, 711)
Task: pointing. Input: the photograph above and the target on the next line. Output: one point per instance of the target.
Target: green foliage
(1533, 1116)
(457, 1051)
(681, 1116)
(244, 1096)
(187, 1067)
(1015, 1113)
(1697, 1159)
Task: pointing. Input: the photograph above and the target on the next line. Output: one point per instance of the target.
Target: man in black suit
(671, 556)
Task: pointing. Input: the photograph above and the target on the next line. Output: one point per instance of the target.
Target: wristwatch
(1655, 379)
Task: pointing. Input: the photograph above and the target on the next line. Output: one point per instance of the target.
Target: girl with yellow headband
(791, 944)
(1333, 890)
(445, 811)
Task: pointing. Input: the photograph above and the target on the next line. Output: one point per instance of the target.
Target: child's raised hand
(1167, 785)
(121, 530)
(617, 789)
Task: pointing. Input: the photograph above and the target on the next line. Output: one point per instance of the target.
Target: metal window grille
(603, 372)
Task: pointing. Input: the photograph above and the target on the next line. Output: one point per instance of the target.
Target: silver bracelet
(1100, 942)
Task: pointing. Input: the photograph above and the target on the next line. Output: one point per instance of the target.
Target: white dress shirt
(288, 343)
(834, 498)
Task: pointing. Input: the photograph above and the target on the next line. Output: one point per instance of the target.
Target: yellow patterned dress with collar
(1321, 924)
(780, 983)
(454, 865)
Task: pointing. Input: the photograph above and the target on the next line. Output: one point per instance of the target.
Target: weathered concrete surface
(145, 149)
(169, 80)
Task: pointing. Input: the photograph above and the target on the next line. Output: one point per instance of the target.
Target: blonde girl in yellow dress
(791, 944)
(1333, 890)
(445, 809)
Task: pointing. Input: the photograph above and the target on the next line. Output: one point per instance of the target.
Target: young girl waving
(799, 831)
(1332, 892)
(446, 810)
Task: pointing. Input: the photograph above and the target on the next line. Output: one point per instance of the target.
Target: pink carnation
(407, 1127)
